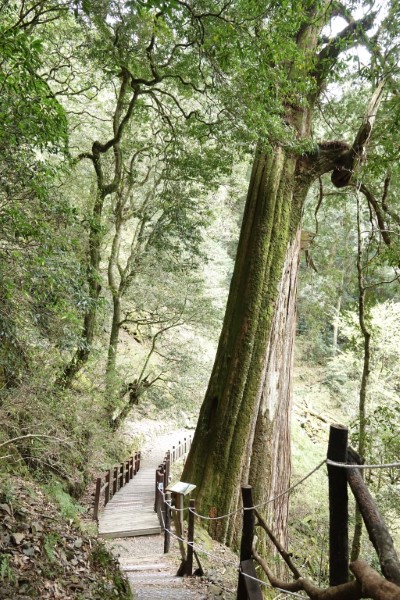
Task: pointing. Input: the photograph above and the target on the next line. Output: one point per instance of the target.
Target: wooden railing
(367, 583)
(163, 472)
(113, 480)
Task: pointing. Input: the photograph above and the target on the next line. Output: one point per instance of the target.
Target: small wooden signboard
(180, 489)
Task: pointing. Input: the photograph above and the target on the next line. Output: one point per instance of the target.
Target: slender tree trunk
(121, 118)
(362, 407)
(114, 336)
(115, 283)
(94, 287)
(336, 319)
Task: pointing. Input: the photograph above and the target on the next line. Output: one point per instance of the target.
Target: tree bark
(247, 403)
(94, 288)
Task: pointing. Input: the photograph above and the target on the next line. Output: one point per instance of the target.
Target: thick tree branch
(374, 204)
(285, 555)
(345, 591)
(368, 584)
(346, 39)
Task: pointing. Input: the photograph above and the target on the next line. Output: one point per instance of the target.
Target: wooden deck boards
(130, 512)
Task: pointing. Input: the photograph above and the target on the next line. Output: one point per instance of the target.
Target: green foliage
(30, 114)
(101, 557)
(49, 545)
(69, 508)
(6, 569)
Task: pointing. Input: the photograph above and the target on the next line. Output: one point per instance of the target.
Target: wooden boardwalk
(130, 512)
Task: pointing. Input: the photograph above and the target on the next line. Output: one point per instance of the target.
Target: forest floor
(44, 555)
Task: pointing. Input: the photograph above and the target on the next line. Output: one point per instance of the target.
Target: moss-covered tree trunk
(243, 430)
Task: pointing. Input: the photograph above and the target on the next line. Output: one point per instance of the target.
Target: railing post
(107, 488)
(121, 475)
(97, 499)
(165, 476)
(131, 468)
(190, 539)
(127, 469)
(160, 490)
(114, 480)
(338, 507)
(168, 465)
(247, 537)
(173, 454)
(138, 461)
(156, 492)
(167, 528)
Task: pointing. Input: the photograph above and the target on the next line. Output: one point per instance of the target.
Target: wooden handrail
(113, 480)
(162, 475)
(368, 583)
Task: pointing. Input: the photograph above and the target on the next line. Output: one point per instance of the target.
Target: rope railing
(234, 512)
(345, 461)
(215, 557)
(288, 490)
(394, 465)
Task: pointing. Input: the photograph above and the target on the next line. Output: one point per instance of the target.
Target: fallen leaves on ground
(42, 555)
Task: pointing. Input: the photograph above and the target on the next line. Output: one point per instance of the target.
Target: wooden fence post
(113, 481)
(247, 537)
(139, 456)
(121, 476)
(156, 492)
(159, 496)
(107, 488)
(338, 507)
(97, 498)
(190, 539)
(167, 528)
(168, 465)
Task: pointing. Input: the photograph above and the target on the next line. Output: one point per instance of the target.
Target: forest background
(127, 135)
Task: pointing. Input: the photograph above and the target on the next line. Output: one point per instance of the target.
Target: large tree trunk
(243, 430)
(273, 422)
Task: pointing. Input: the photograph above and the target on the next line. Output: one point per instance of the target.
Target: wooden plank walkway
(130, 512)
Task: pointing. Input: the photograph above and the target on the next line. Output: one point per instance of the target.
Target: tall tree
(243, 433)
(153, 59)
